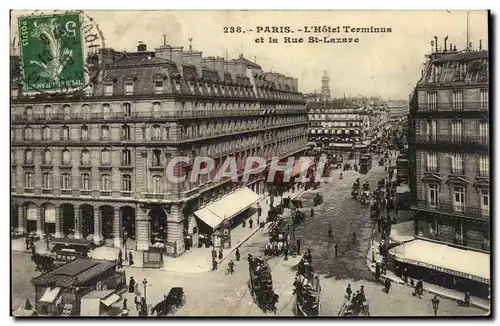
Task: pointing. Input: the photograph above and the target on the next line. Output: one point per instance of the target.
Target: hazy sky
(380, 64)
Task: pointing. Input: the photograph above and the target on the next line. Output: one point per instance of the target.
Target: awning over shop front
(227, 207)
(403, 232)
(459, 262)
(50, 295)
(108, 301)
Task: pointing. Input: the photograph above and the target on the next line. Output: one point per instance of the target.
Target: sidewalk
(199, 260)
(428, 287)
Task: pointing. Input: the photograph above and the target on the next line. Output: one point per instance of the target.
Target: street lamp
(144, 283)
(435, 304)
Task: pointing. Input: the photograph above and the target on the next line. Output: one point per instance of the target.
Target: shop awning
(403, 232)
(50, 295)
(227, 207)
(440, 257)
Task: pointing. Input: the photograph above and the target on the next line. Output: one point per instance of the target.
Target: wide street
(218, 294)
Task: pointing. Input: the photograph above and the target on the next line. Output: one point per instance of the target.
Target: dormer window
(177, 86)
(207, 88)
(108, 89)
(200, 87)
(129, 87)
(158, 86)
(216, 89)
(191, 87)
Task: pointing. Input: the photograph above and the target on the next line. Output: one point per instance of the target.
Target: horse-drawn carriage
(307, 289)
(318, 199)
(261, 284)
(63, 251)
(171, 302)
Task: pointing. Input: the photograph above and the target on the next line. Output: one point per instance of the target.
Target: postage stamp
(54, 51)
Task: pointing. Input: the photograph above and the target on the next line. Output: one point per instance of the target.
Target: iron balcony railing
(152, 115)
(457, 139)
(455, 106)
(462, 209)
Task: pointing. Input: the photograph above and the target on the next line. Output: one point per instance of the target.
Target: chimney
(454, 48)
(281, 81)
(141, 47)
(289, 82)
(296, 84)
(445, 41)
(436, 43)
(236, 68)
(272, 77)
(215, 63)
(194, 59)
(171, 53)
(451, 46)
(480, 45)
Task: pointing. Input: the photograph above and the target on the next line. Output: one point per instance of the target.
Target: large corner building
(449, 150)
(93, 164)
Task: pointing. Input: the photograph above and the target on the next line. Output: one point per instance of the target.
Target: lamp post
(435, 304)
(144, 283)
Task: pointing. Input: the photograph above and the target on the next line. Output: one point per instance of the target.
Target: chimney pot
(141, 47)
(480, 45)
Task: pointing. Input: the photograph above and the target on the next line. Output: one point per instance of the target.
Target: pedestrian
(136, 289)
(336, 250)
(220, 253)
(250, 223)
(387, 284)
(120, 255)
(33, 249)
(312, 212)
(214, 264)
(467, 299)
(130, 258)
(131, 285)
(348, 291)
(377, 271)
(124, 307)
(237, 254)
(354, 237)
(330, 231)
(405, 275)
(435, 304)
(231, 265)
(137, 302)
(27, 243)
(298, 246)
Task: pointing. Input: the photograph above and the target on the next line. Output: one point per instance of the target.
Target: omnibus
(365, 163)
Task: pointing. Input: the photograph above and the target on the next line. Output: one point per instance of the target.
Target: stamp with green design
(52, 53)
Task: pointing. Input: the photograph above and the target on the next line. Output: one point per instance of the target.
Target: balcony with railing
(450, 106)
(152, 115)
(455, 209)
(444, 141)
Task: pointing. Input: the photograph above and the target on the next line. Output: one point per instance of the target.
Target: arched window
(126, 182)
(105, 157)
(64, 133)
(66, 181)
(29, 112)
(156, 157)
(28, 156)
(106, 111)
(105, 182)
(126, 157)
(84, 133)
(85, 157)
(66, 157)
(127, 110)
(156, 132)
(85, 182)
(46, 133)
(47, 180)
(157, 184)
(67, 111)
(47, 111)
(28, 180)
(28, 133)
(47, 157)
(125, 132)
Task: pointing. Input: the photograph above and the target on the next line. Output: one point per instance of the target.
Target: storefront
(225, 213)
(454, 268)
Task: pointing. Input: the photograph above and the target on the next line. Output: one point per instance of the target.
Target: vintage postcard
(250, 163)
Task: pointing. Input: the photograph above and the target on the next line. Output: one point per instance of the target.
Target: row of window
(457, 100)
(335, 132)
(458, 194)
(203, 89)
(457, 130)
(86, 181)
(126, 154)
(159, 132)
(458, 163)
